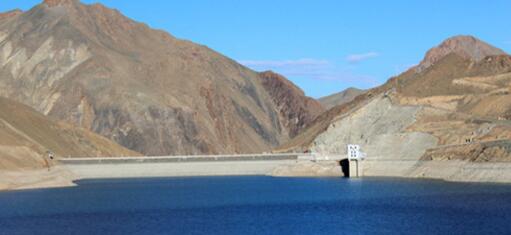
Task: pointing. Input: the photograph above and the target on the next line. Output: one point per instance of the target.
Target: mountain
(340, 98)
(92, 67)
(26, 135)
(467, 47)
(455, 111)
(10, 14)
(296, 109)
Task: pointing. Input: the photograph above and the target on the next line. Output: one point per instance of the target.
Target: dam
(288, 164)
(193, 165)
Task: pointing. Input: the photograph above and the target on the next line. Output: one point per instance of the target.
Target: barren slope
(467, 47)
(340, 98)
(148, 91)
(26, 135)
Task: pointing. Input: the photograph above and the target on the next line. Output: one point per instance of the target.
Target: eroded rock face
(296, 109)
(92, 67)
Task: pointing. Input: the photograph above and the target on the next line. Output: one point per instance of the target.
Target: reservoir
(259, 205)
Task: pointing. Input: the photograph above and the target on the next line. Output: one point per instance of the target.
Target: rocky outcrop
(92, 67)
(296, 110)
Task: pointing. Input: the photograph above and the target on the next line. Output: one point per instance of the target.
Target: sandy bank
(64, 175)
(58, 176)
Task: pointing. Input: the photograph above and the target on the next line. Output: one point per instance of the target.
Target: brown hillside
(467, 47)
(297, 110)
(26, 135)
(92, 67)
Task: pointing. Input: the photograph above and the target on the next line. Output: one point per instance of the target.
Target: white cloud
(355, 58)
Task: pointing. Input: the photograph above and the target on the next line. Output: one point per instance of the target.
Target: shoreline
(57, 177)
(66, 176)
(449, 170)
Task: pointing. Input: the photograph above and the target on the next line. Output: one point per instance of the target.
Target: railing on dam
(177, 159)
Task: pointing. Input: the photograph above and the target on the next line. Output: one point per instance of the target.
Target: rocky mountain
(10, 13)
(340, 98)
(457, 109)
(92, 67)
(467, 47)
(26, 135)
(296, 109)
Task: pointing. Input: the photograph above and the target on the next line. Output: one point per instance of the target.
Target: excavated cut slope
(457, 101)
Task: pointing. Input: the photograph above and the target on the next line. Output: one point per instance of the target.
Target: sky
(323, 46)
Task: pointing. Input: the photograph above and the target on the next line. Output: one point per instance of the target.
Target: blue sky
(323, 46)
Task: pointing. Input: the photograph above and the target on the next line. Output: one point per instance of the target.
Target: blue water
(259, 205)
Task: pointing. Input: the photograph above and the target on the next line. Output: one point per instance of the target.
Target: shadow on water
(345, 166)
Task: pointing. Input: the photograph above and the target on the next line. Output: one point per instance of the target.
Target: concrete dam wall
(168, 166)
